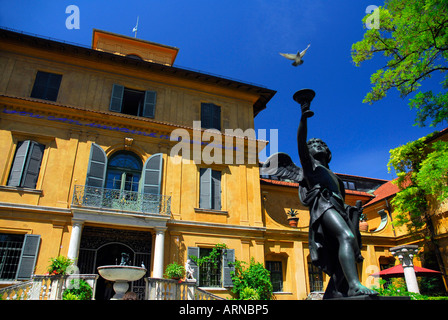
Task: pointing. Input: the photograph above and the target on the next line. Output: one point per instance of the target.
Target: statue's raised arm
(304, 98)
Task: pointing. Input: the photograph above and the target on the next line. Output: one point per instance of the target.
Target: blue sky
(242, 40)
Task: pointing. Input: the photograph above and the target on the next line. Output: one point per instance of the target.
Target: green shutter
(228, 267)
(15, 177)
(96, 172)
(216, 190)
(152, 174)
(205, 190)
(210, 189)
(32, 167)
(28, 256)
(194, 251)
(149, 105)
(151, 183)
(116, 98)
(26, 165)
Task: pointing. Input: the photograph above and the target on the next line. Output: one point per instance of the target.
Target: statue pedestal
(190, 280)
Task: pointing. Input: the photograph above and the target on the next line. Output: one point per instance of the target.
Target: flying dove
(296, 57)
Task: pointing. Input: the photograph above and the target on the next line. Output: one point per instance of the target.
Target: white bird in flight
(296, 57)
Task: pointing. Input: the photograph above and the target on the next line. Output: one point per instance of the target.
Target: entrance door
(109, 254)
(103, 246)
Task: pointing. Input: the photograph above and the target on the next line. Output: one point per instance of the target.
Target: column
(158, 253)
(299, 273)
(75, 239)
(406, 255)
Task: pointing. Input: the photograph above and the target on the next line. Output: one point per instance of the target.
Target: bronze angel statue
(334, 238)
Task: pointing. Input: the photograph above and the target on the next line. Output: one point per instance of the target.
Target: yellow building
(88, 172)
(102, 156)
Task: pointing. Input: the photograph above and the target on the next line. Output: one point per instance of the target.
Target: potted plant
(59, 266)
(293, 218)
(363, 225)
(174, 271)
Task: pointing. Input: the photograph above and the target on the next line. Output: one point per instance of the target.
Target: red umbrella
(397, 271)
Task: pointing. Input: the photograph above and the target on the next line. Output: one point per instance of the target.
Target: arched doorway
(103, 246)
(109, 254)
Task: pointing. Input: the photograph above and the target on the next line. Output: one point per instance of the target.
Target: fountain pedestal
(121, 275)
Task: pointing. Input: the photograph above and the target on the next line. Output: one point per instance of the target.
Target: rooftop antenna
(135, 29)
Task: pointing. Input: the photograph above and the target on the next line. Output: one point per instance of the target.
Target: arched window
(124, 170)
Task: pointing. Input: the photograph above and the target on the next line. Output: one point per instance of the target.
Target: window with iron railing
(210, 273)
(10, 251)
(276, 272)
(18, 254)
(315, 277)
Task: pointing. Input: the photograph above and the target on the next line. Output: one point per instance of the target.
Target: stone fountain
(121, 274)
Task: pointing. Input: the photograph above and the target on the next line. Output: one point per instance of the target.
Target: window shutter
(15, 177)
(205, 197)
(116, 98)
(28, 257)
(228, 267)
(152, 174)
(194, 251)
(206, 115)
(53, 84)
(216, 117)
(39, 85)
(32, 168)
(216, 189)
(210, 116)
(149, 105)
(96, 171)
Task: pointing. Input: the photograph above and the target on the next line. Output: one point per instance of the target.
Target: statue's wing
(289, 56)
(281, 166)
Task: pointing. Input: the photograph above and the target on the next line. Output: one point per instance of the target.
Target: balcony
(121, 200)
(45, 287)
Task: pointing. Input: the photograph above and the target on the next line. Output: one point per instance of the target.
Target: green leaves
(59, 265)
(174, 271)
(422, 172)
(413, 38)
(214, 257)
(78, 289)
(430, 105)
(433, 175)
(252, 283)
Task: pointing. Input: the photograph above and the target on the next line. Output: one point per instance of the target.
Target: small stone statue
(189, 271)
(125, 258)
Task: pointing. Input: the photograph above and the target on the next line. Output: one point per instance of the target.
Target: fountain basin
(121, 273)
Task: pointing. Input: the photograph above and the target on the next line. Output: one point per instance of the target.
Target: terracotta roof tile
(384, 191)
(296, 185)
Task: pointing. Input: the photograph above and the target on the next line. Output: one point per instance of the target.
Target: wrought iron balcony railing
(123, 200)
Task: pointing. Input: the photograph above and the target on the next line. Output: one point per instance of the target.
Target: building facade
(104, 154)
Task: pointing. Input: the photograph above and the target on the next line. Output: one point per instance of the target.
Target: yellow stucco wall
(87, 86)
